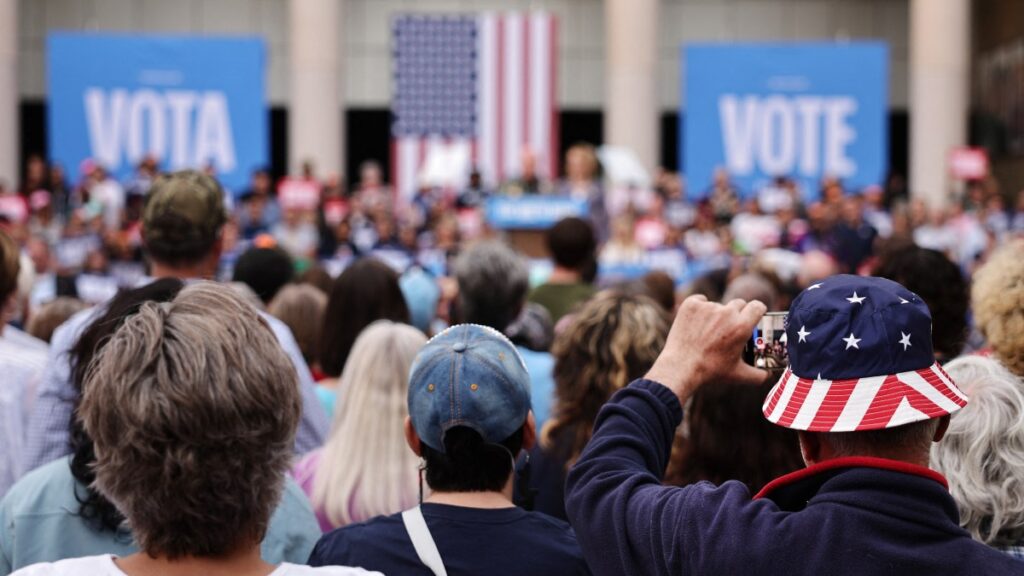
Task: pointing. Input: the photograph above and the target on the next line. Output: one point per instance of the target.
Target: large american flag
(482, 86)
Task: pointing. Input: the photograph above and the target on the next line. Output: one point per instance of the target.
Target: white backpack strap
(422, 541)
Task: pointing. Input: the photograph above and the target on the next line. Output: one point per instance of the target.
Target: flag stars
(814, 287)
(851, 341)
(803, 334)
(904, 301)
(905, 340)
(856, 299)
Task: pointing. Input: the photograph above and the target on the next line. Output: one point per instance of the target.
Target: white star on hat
(814, 286)
(902, 301)
(905, 341)
(803, 334)
(851, 342)
(856, 299)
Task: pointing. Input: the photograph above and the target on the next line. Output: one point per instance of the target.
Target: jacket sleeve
(628, 523)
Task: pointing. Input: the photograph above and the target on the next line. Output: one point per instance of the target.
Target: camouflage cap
(184, 211)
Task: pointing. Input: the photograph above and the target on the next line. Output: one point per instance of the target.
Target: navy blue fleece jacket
(858, 516)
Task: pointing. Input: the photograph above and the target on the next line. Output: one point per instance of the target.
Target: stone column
(940, 46)
(315, 107)
(9, 125)
(631, 111)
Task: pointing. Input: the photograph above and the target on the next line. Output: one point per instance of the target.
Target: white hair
(982, 454)
(366, 469)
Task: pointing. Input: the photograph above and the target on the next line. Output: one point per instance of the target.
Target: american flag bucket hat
(860, 358)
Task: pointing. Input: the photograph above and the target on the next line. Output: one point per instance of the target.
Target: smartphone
(767, 348)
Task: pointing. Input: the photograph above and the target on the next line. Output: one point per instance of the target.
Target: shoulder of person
(49, 486)
(336, 546)
(92, 565)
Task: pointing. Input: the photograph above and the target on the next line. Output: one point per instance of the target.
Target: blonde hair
(366, 469)
(982, 454)
(997, 299)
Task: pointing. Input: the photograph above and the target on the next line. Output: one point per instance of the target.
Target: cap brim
(858, 404)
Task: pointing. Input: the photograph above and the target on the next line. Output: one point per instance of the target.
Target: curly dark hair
(942, 286)
(93, 506)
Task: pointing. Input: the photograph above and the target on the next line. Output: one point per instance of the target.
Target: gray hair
(493, 281)
(982, 455)
(192, 407)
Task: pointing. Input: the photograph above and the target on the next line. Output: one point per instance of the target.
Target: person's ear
(412, 439)
(529, 432)
(810, 447)
(940, 431)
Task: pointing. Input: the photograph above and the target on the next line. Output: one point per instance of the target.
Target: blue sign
(801, 110)
(532, 212)
(190, 102)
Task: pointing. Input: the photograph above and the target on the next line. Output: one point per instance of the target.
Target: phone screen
(767, 348)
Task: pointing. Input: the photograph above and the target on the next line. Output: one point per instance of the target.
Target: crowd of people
(194, 381)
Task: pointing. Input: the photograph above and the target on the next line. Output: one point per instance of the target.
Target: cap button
(459, 347)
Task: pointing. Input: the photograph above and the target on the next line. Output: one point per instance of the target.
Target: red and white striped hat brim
(873, 403)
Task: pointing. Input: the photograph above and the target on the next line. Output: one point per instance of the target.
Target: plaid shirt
(48, 434)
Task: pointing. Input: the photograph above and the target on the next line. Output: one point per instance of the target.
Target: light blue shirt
(48, 435)
(541, 367)
(39, 522)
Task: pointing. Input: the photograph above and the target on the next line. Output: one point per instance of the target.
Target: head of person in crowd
(997, 300)
(981, 453)
(581, 165)
(51, 315)
(366, 291)
(573, 247)
(751, 286)
(710, 285)
(265, 270)
(365, 469)
(94, 507)
(182, 223)
(318, 277)
(660, 287)
(815, 265)
(846, 329)
(422, 294)
(301, 307)
(493, 282)
(940, 283)
(612, 340)
(192, 406)
(469, 410)
(725, 438)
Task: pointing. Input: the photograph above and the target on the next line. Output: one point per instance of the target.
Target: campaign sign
(188, 101)
(802, 110)
(532, 212)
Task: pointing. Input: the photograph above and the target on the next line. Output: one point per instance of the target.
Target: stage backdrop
(803, 110)
(189, 101)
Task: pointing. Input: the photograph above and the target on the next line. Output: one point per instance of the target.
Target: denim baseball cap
(468, 375)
